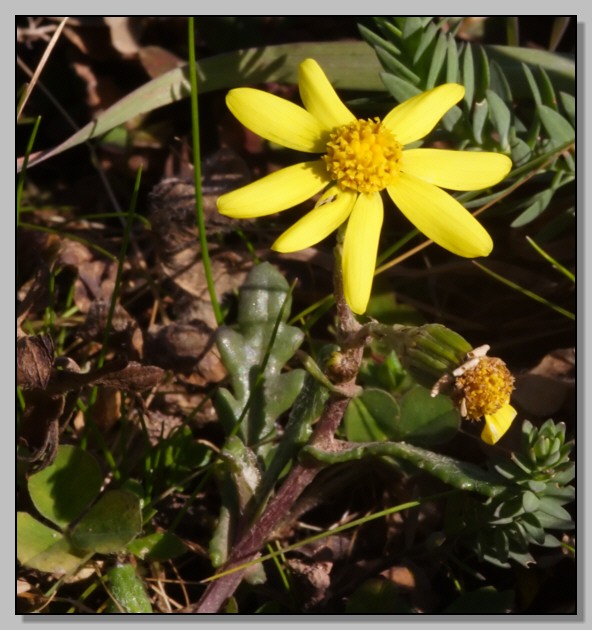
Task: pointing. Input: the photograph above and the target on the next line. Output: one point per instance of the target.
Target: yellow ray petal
(456, 170)
(416, 117)
(440, 217)
(319, 97)
(360, 247)
(276, 192)
(330, 212)
(497, 424)
(278, 120)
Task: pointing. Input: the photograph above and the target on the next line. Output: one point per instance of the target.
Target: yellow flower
(359, 159)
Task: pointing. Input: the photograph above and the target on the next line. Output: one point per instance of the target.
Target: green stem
(21, 180)
(199, 211)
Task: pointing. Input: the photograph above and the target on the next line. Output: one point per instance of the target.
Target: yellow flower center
(363, 155)
(485, 388)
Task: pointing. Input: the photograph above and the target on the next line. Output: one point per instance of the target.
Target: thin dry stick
(299, 478)
(50, 46)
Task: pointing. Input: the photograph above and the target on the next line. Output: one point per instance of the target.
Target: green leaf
(533, 529)
(159, 547)
(396, 67)
(63, 490)
(372, 416)
(538, 204)
(452, 62)
(499, 84)
(547, 91)
(349, 66)
(559, 69)
(480, 113)
(483, 601)
(521, 152)
(532, 84)
(45, 549)
(568, 103)
(255, 353)
(530, 501)
(482, 75)
(400, 89)
(468, 74)
(501, 117)
(424, 50)
(113, 522)
(376, 41)
(552, 507)
(558, 128)
(426, 420)
(128, 590)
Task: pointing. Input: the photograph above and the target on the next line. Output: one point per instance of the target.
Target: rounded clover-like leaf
(63, 490)
(43, 548)
(426, 419)
(113, 522)
(371, 417)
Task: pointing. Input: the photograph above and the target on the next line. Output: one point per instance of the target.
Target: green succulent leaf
(462, 475)
(127, 589)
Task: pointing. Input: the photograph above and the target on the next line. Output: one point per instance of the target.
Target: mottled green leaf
(113, 522)
(255, 353)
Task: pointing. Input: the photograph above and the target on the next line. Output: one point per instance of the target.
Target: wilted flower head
(359, 159)
(482, 389)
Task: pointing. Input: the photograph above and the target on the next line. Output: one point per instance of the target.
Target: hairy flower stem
(300, 477)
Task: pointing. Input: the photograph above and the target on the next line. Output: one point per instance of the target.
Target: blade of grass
(21, 179)
(199, 211)
(566, 272)
(524, 291)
